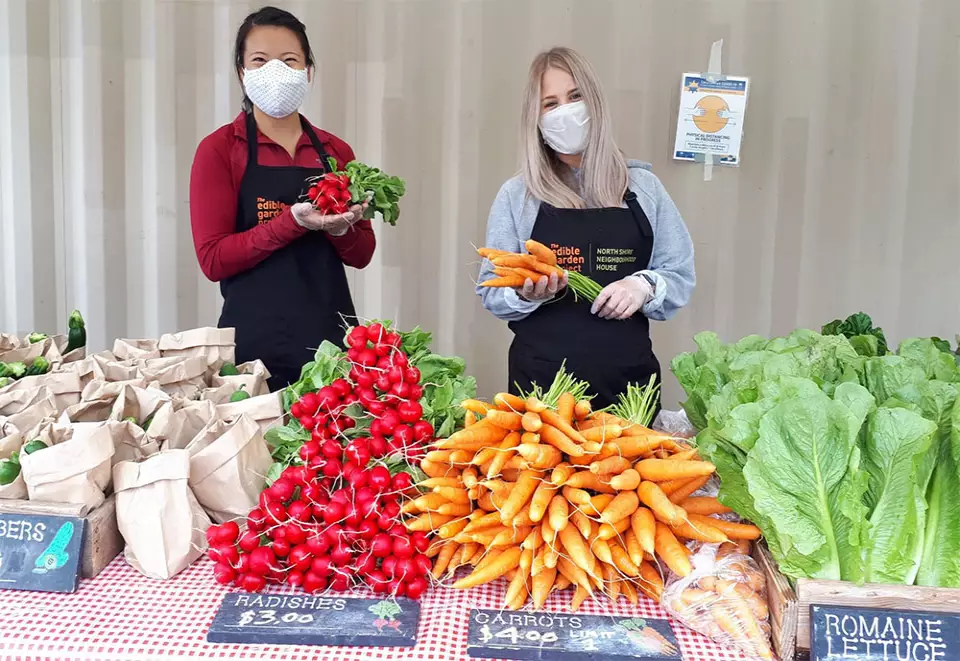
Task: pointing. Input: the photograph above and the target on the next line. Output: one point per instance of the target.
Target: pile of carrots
(514, 269)
(560, 497)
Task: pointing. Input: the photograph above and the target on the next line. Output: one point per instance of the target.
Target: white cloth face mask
(566, 128)
(276, 88)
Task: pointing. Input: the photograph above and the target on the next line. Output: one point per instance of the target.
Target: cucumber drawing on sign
(55, 556)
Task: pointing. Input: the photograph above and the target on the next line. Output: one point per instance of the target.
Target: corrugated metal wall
(847, 198)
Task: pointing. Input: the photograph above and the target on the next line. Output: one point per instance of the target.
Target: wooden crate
(782, 602)
(103, 541)
(843, 593)
(790, 606)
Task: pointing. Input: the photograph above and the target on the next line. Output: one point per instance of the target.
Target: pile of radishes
(319, 532)
(334, 521)
(331, 193)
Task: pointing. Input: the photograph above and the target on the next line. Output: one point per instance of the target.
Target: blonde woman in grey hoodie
(604, 216)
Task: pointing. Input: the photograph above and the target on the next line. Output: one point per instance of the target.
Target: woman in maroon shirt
(279, 262)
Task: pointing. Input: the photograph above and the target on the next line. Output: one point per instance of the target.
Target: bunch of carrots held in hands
(514, 269)
(551, 495)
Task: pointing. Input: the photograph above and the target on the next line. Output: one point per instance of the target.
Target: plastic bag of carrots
(724, 598)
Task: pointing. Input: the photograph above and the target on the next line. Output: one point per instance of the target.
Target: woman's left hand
(621, 299)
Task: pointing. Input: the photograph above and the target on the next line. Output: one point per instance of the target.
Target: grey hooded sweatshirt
(511, 222)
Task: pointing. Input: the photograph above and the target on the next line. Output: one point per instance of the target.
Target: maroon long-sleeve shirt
(215, 178)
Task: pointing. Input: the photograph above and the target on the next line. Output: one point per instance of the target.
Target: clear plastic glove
(621, 299)
(309, 218)
(543, 289)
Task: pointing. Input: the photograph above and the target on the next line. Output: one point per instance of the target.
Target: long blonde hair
(604, 172)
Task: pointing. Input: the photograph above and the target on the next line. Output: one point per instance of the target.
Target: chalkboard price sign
(880, 634)
(40, 552)
(285, 619)
(567, 637)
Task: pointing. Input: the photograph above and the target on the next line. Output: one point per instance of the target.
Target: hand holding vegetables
(621, 299)
(532, 273)
(337, 224)
(542, 288)
(358, 191)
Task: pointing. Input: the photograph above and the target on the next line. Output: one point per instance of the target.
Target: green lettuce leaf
(940, 559)
(897, 442)
(804, 475)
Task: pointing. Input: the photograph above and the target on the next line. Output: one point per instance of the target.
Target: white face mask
(276, 88)
(566, 128)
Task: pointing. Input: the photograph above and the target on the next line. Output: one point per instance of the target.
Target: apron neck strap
(304, 124)
(638, 214)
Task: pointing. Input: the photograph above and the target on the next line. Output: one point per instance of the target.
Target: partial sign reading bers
(40, 552)
(875, 634)
(564, 637)
(284, 619)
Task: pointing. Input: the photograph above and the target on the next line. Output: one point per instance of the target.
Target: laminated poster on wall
(710, 121)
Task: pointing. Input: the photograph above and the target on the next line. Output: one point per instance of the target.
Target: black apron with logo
(608, 245)
(288, 304)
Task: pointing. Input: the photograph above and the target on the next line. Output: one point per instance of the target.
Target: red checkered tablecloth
(123, 616)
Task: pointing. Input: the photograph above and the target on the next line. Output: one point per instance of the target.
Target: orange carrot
(704, 505)
(627, 480)
(610, 466)
(561, 473)
(519, 495)
(509, 559)
(541, 252)
(588, 480)
(644, 526)
(576, 574)
(435, 469)
(534, 405)
(453, 494)
(672, 551)
(558, 512)
(505, 419)
(542, 583)
(652, 577)
(735, 531)
(700, 531)
(616, 530)
(507, 402)
(428, 522)
(469, 419)
(579, 596)
(651, 496)
(507, 444)
(582, 409)
(582, 523)
(490, 253)
(661, 470)
(548, 534)
(576, 496)
(476, 406)
(630, 593)
(541, 500)
(622, 560)
(514, 260)
(455, 509)
(634, 550)
(597, 504)
(565, 406)
(622, 507)
(552, 435)
(540, 456)
(531, 422)
(554, 419)
(479, 435)
(601, 549)
(690, 487)
(443, 559)
(602, 433)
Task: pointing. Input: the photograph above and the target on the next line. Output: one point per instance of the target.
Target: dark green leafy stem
(369, 183)
(856, 325)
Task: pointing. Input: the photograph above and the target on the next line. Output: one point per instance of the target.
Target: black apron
(288, 304)
(608, 245)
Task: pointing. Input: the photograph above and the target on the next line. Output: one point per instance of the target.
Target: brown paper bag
(130, 441)
(76, 470)
(159, 517)
(117, 370)
(27, 353)
(176, 375)
(107, 401)
(252, 378)
(8, 342)
(9, 443)
(61, 342)
(228, 467)
(265, 410)
(215, 345)
(65, 386)
(136, 349)
(16, 401)
(174, 427)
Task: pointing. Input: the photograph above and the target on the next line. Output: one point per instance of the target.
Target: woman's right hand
(543, 289)
(309, 218)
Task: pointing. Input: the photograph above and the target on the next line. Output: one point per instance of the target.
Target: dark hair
(269, 16)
